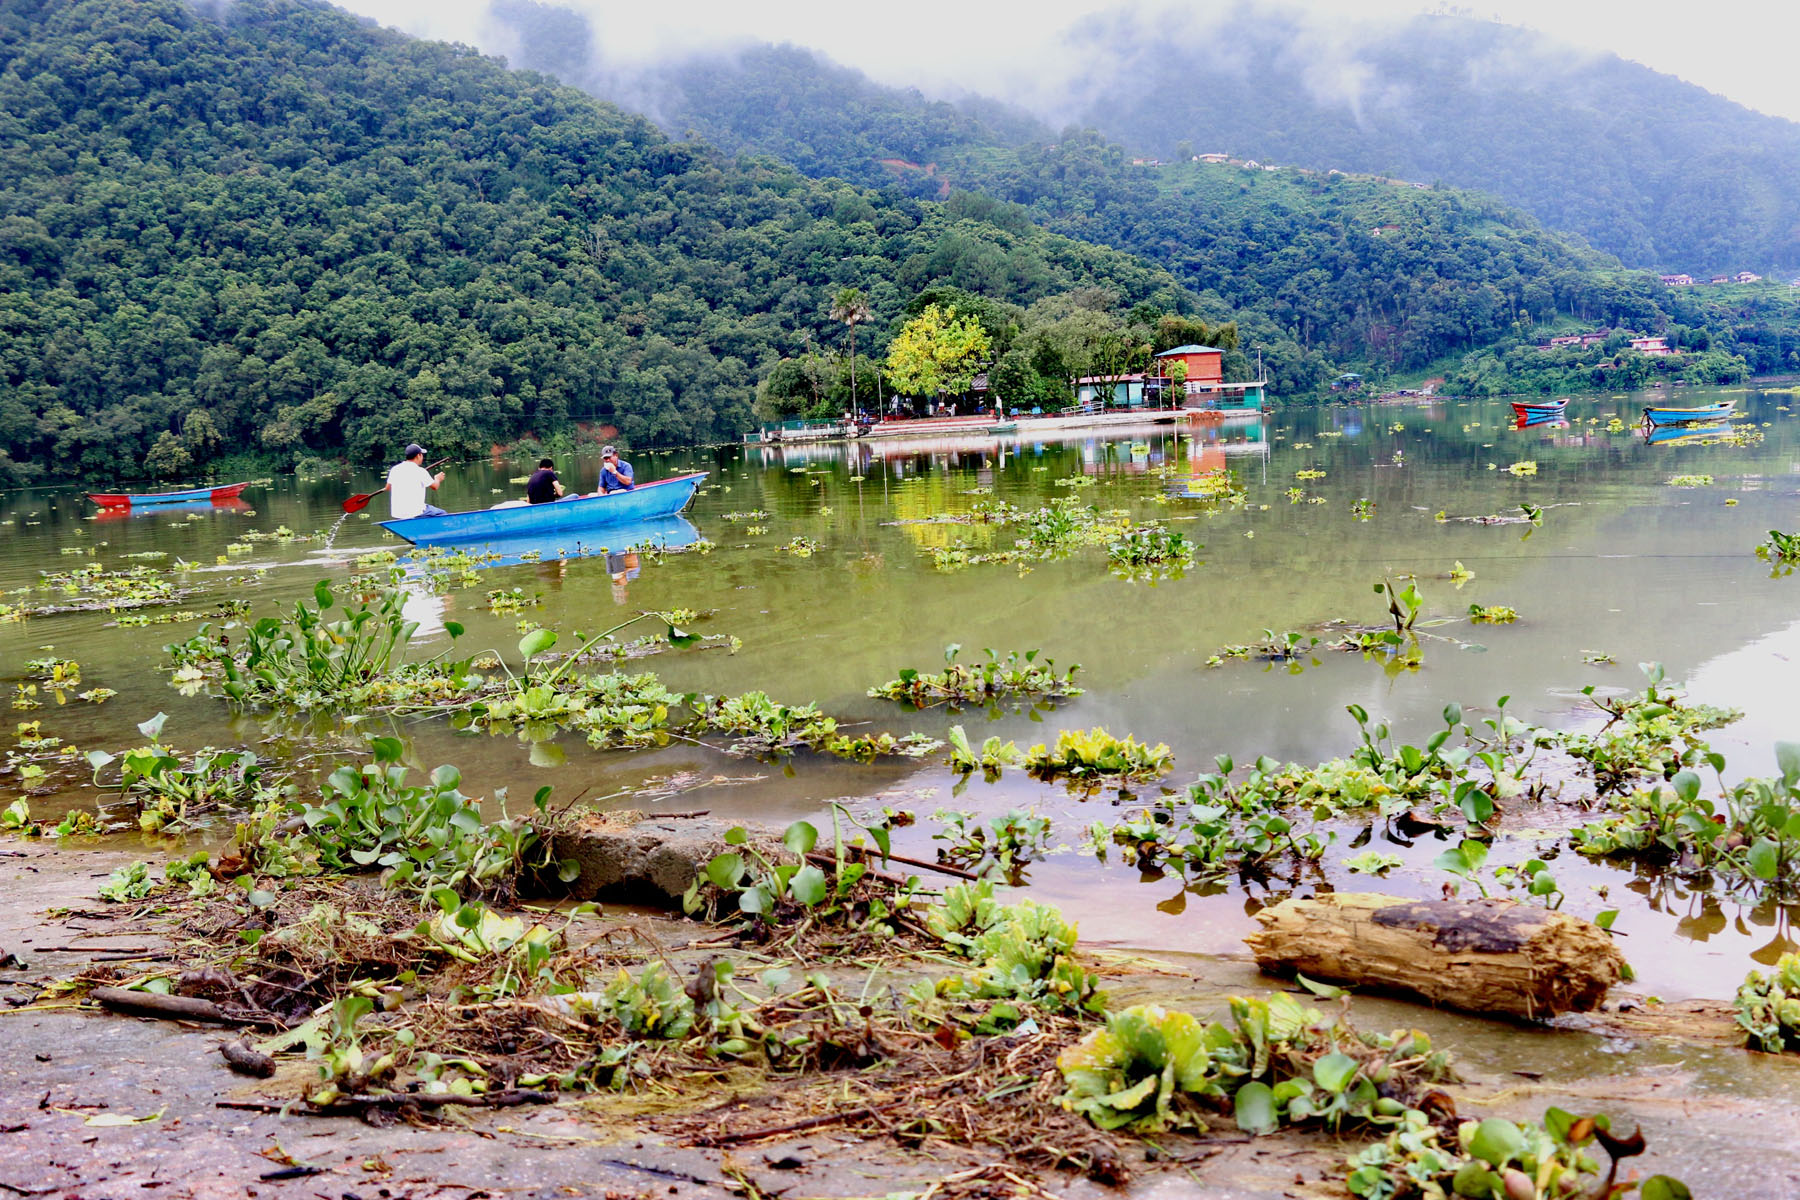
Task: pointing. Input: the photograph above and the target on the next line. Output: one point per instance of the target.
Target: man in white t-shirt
(407, 483)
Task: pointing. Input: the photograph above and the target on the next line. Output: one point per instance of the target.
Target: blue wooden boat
(1540, 409)
(664, 498)
(215, 495)
(1658, 415)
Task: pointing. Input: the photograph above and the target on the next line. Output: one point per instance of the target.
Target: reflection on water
(1336, 500)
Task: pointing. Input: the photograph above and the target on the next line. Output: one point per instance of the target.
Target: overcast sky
(1747, 50)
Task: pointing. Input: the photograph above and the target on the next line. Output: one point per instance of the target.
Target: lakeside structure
(1188, 383)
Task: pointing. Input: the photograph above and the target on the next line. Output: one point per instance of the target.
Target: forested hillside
(289, 232)
(1657, 171)
(1339, 268)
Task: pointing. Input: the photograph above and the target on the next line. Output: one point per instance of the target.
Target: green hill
(1345, 269)
(1657, 171)
(285, 232)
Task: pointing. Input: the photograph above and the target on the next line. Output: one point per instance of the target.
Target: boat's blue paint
(187, 497)
(667, 533)
(548, 522)
(1675, 416)
(1547, 406)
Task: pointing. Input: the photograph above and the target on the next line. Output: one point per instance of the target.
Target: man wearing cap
(615, 472)
(407, 483)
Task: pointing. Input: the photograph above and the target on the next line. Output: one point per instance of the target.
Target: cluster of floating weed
(1060, 527)
(992, 679)
(309, 660)
(1781, 551)
(1084, 757)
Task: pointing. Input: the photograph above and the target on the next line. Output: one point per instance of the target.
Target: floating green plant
(993, 678)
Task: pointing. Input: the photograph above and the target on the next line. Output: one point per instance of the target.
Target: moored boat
(1661, 415)
(664, 498)
(1545, 408)
(186, 496)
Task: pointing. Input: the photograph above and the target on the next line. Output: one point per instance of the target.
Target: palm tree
(852, 308)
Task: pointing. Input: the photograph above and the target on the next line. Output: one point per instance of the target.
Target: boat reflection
(233, 505)
(613, 541)
(1683, 435)
(1540, 421)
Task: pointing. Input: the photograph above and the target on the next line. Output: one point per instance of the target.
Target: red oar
(356, 504)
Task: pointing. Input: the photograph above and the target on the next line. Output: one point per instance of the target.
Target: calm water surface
(1623, 564)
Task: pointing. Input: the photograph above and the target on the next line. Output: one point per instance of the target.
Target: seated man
(407, 483)
(543, 486)
(615, 472)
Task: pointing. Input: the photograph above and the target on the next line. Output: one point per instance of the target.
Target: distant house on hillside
(1747, 277)
(1651, 345)
(1720, 279)
(1579, 341)
(1212, 158)
(1678, 280)
(1383, 230)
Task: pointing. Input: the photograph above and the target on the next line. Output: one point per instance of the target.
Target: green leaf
(1255, 1108)
(1686, 785)
(1453, 713)
(1787, 757)
(535, 643)
(322, 594)
(754, 901)
(1497, 1142)
(725, 870)
(800, 837)
(153, 728)
(809, 886)
(387, 749)
(98, 758)
(1477, 806)
(454, 629)
(736, 836)
(1558, 1122)
(446, 777)
(1325, 991)
(568, 870)
(1764, 858)
(1605, 919)
(1662, 1187)
(1334, 1071)
(260, 899)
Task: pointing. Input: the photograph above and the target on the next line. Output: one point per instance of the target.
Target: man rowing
(407, 483)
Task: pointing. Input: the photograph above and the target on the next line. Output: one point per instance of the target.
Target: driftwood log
(177, 1008)
(1481, 956)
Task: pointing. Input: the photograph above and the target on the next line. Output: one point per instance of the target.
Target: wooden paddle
(356, 504)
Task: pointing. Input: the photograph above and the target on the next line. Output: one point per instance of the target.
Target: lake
(821, 568)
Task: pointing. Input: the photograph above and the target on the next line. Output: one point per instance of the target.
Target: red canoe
(188, 496)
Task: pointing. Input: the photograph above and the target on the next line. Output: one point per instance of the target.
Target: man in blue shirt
(615, 472)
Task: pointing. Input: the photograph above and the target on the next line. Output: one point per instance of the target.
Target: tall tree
(852, 308)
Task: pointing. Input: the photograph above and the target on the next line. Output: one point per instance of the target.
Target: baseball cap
(412, 449)
(608, 452)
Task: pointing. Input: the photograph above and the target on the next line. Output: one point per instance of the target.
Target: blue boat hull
(1677, 416)
(664, 498)
(614, 542)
